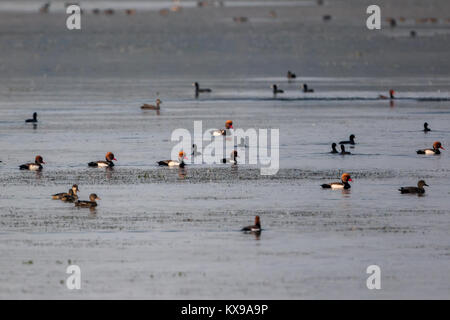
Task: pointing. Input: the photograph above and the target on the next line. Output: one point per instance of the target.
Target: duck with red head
(436, 146)
(391, 95)
(104, 164)
(171, 163)
(255, 228)
(36, 166)
(345, 178)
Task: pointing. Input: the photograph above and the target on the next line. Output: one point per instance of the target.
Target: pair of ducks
(351, 141)
(39, 161)
(305, 89)
(345, 178)
(71, 196)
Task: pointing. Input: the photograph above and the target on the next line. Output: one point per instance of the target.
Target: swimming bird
(146, 106)
(306, 89)
(88, 204)
(58, 196)
(224, 132)
(391, 95)
(233, 156)
(36, 166)
(70, 197)
(194, 151)
(172, 163)
(417, 190)
(200, 90)
(343, 152)
(254, 228)
(333, 148)
(291, 75)
(345, 178)
(351, 141)
(104, 164)
(33, 120)
(436, 146)
(275, 89)
(425, 127)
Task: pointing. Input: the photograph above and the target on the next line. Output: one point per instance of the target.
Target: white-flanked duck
(58, 196)
(33, 120)
(306, 89)
(351, 141)
(254, 228)
(343, 152)
(291, 75)
(436, 146)
(104, 164)
(146, 106)
(199, 90)
(333, 148)
(345, 178)
(275, 89)
(226, 131)
(233, 158)
(415, 190)
(36, 166)
(171, 163)
(425, 127)
(88, 204)
(391, 95)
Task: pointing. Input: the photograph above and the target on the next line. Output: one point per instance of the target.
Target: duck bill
(426, 185)
(98, 198)
(442, 148)
(350, 179)
(114, 159)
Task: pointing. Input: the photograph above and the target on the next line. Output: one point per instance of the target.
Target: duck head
(110, 157)
(229, 124)
(437, 145)
(391, 93)
(421, 184)
(257, 221)
(39, 160)
(75, 189)
(93, 197)
(346, 178)
(182, 156)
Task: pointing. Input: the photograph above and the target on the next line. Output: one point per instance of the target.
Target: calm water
(169, 233)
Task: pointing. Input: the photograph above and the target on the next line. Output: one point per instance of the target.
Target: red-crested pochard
(36, 166)
(339, 185)
(171, 163)
(436, 146)
(255, 228)
(104, 164)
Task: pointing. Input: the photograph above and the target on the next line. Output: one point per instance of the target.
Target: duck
(345, 178)
(333, 148)
(70, 197)
(275, 89)
(343, 152)
(146, 106)
(425, 127)
(306, 89)
(226, 131)
(291, 75)
(171, 163)
(104, 164)
(391, 95)
(233, 156)
(58, 196)
(33, 120)
(417, 190)
(194, 151)
(91, 203)
(254, 228)
(351, 141)
(200, 90)
(436, 146)
(36, 166)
